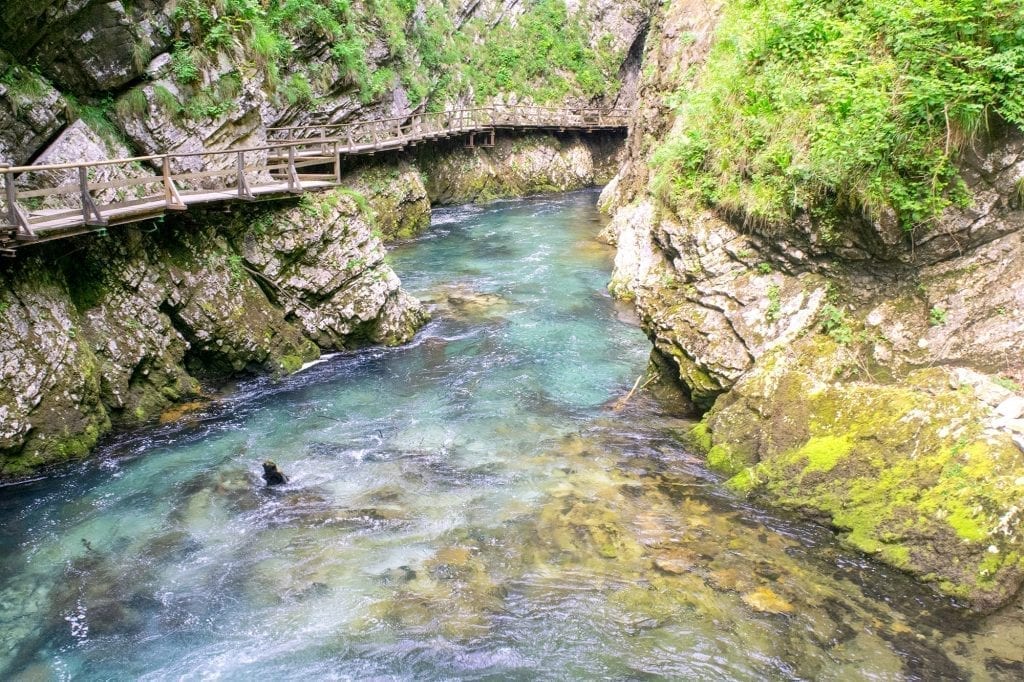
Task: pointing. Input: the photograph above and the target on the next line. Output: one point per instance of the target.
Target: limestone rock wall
(852, 372)
(517, 166)
(103, 332)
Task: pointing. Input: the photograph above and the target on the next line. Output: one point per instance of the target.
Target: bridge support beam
(172, 200)
(294, 186)
(90, 213)
(16, 217)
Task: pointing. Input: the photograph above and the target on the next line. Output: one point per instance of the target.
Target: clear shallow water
(475, 505)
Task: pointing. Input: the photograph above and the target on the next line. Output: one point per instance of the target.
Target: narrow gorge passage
(477, 503)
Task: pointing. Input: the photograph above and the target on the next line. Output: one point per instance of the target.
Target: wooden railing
(53, 201)
(428, 123)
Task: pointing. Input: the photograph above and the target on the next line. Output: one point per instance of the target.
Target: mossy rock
(908, 473)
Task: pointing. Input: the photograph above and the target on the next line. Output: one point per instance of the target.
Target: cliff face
(114, 330)
(849, 369)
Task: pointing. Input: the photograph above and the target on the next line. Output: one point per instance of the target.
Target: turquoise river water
(479, 504)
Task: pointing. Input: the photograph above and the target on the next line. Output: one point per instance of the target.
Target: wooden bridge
(45, 202)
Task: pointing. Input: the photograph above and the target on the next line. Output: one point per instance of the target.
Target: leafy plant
(774, 310)
(183, 64)
(1008, 384)
(835, 324)
(937, 316)
(132, 103)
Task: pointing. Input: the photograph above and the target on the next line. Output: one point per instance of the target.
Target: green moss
(824, 452)
(291, 364)
(75, 445)
(745, 482)
(723, 459)
(700, 435)
(888, 465)
(966, 523)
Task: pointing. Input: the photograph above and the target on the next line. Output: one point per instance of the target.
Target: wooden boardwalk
(57, 201)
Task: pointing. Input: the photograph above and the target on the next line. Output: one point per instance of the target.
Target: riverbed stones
(765, 600)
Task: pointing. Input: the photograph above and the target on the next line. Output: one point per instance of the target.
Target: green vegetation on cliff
(858, 106)
(543, 53)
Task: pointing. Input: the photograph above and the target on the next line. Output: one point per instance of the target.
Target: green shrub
(862, 105)
(774, 310)
(183, 64)
(834, 323)
(546, 54)
(298, 90)
(22, 86)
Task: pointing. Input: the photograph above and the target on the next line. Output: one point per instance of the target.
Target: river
(480, 504)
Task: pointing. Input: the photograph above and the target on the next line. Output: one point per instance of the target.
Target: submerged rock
(272, 475)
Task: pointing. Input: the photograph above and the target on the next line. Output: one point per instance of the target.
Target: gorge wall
(853, 364)
(109, 332)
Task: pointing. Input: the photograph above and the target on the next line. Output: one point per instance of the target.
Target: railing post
(172, 200)
(88, 205)
(294, 186)
(15, 215)
(244, 192)
(337, 162)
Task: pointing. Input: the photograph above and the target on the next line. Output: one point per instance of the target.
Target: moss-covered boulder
(923, 474)
(395, 195)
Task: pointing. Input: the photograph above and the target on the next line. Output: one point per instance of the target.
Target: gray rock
(103, 45)
(341, 291)
(80, 143)
(1012, 407)
(31, 112)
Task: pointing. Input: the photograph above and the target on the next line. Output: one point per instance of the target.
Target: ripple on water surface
(475, 504)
